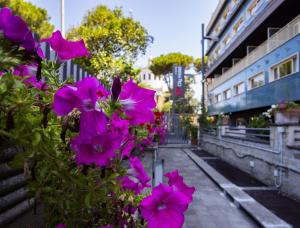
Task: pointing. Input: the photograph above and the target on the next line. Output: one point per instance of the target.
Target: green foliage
(114, 40)
(167, 106)
(203, 120)
(78, 196)
(35, 17)
(163, 64)
(198, 64)
(10, 57)
(188, 104)
(259, 122)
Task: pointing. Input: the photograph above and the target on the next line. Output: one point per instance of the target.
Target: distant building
(157, 83)
(255, 61)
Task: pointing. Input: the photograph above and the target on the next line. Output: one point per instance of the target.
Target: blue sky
(175, 24)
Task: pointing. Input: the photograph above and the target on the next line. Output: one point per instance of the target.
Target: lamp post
(62, 19)
(203, 64)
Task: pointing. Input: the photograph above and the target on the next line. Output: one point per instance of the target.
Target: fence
(258, 135)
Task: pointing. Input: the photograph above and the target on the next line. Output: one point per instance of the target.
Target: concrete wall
(275, 164)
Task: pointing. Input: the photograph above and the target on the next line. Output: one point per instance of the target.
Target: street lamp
(203, 64)
(62, 17)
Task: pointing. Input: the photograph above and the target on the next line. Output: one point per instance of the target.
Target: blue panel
(287, 88)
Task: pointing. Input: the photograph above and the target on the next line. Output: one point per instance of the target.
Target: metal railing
(260, 135)
(210, 131)
(283, 35)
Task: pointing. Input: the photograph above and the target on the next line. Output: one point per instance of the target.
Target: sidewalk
(210, 209)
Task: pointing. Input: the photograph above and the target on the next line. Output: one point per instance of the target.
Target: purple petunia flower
(99, 150)
(29, 71)
(119, 125)
(83, 97)
(16, 30)
(60, 226)
(138, 103)
(164, 208)
(128, 143)
(65, 49)
(176, 181)
(137, 177)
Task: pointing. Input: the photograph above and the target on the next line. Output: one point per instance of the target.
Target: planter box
(288, 116)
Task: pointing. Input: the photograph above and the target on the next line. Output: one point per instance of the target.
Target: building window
(149, 76)
(217, 28)
(253, 7)
(227, 94)
(144, 76)
(218, 98)
(239, 88)
(237, 26)
(284, 68)
(226, 39)
(257, 81)
(225, 14)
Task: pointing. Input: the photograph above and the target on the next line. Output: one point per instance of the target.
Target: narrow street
(210, 208)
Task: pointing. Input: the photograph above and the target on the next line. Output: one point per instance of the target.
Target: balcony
(283, 35)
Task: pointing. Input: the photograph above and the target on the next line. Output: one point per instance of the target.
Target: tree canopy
(198, 64)
(114, 41)
(162, 64)
(35, 17)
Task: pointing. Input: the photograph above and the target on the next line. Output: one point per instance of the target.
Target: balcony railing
(283, 35)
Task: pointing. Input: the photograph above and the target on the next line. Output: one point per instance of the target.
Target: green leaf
(18, 161)
(88, 200)
(36, 138)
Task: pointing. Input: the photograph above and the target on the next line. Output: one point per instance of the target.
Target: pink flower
(66, 49)
(137, 103)
(99, 150)
(139, 171)
(29, 71)
(16, 30)
(128, 143)
(83, 96)
(164, 208)
(137, 177)
(176, 181)
(119, 125)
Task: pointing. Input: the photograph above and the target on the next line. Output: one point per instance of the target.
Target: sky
(175, 24)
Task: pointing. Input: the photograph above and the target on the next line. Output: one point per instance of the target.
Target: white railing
(283, 35)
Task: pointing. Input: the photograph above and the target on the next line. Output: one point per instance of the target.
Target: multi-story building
(155, 82)
(253, 58)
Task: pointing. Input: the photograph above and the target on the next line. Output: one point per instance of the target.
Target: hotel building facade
(253, 58)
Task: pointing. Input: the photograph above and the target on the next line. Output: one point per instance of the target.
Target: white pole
(62, 17)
